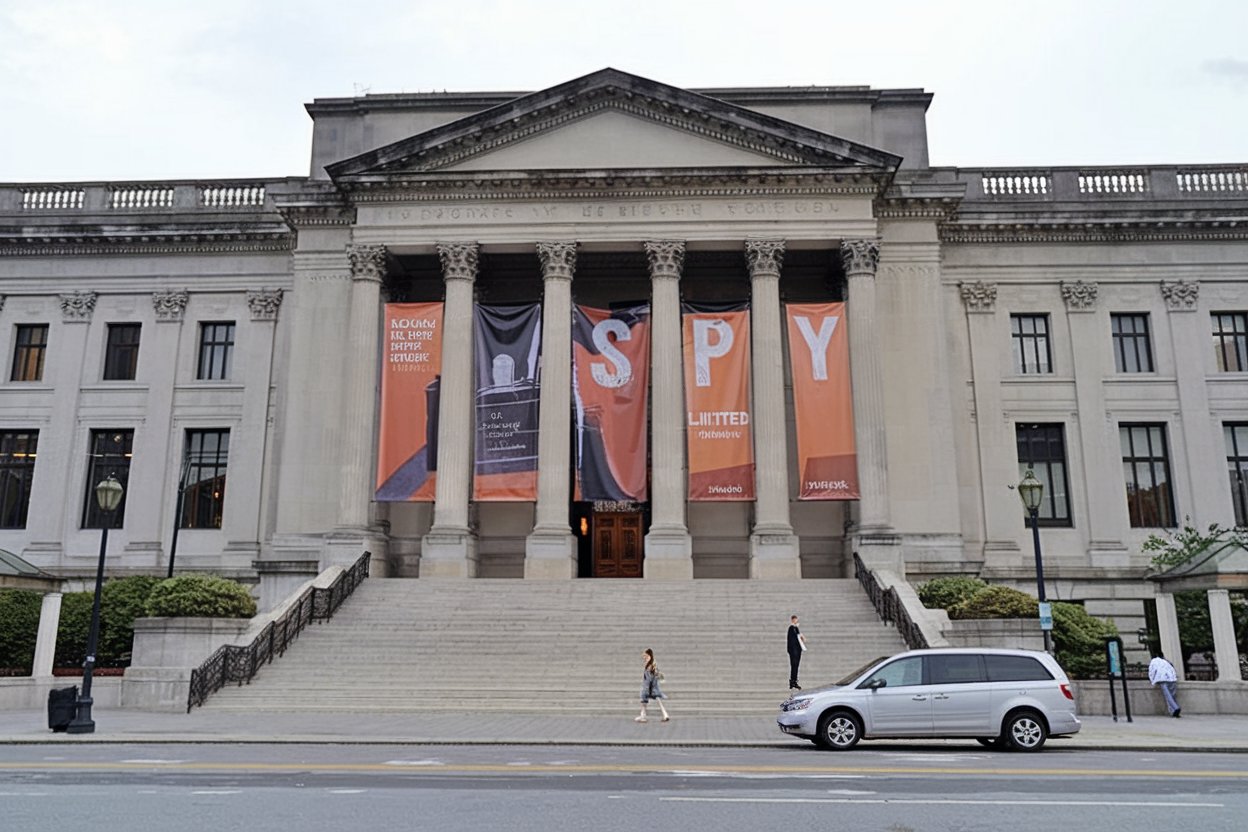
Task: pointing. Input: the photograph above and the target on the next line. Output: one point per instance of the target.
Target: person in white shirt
(1161, 674)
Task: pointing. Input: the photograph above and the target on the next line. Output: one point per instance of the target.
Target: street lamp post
(108, 496)
(1031, 492)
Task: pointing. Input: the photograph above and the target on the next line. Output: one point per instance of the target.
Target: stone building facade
(218, 342)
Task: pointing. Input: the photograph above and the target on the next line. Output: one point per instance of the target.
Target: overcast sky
(151, 89)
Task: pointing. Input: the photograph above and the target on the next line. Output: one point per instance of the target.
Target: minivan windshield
(851, 677)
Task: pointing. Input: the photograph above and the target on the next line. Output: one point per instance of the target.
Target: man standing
(1161, 674)
(797, 644)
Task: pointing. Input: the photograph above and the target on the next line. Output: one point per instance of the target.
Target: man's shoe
(1178, 713)
(640, 719)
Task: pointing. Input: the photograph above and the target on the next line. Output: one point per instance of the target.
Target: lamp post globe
(1031, 492)
(108, 495)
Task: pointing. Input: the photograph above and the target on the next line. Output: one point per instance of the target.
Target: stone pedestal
(45, 641)
(1225, 647)
(1168, 629)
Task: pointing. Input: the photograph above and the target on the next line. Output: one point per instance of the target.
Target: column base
(669, 555)
(448, 553)
(775, 556)
(343, 547)
(1108, 553)
(550, 554)
(879, 549)
(1004, 553)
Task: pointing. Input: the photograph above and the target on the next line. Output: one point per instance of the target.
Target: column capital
(368, 262)
(1180, 295)
(860, 256)
(171, 305)
(1080, 296)
(764, 257)
(459, 260)
(78, 306)
(667, 258)
(264, 303)
(558, 259)
(978, 296)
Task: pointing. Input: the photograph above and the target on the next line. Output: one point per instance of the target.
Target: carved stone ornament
(2, 297)
(78, 306)
(558, 260)
(667, 258)
(764, 257)
(978, 296)
(1080, 296)
(1180, 295)
(860, 256)
(459, 260)
(264, 303)
(367, 262)
(171, 305)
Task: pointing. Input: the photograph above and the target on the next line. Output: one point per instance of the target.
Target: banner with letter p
(718, 434)
(827, 461)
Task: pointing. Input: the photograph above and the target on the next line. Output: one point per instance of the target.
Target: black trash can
(62, 707)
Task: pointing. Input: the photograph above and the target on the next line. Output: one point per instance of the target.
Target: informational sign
(407, 453)
(822, 401)
(611, 376)
(1113, 653)
(718, 433)
(508, 346)
(1046, 615)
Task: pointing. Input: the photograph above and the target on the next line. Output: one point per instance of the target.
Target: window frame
(1043, 469)
(988, 670)
(1132, 343)
(99, 466)
(22, 353)
(1237, 468)
(216, 351)
(1020, 340)
(1137, 513)
(922, 672)
(192, 489)
(121, 357)
(17, 469)
(1238, 337)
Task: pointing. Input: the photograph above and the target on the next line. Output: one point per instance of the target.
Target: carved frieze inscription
(624, 210)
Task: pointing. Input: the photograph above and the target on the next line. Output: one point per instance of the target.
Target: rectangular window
(1042, 449)
(1015, 669)
(216, 350)
(1132, 351)
(28, 351)
(204, 463)
(121, 355)
(1230, 341)
(1146, 468)
(1031, 344)
(1237, 466)
(110, 453)
(17, 468)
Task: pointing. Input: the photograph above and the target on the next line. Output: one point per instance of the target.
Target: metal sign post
(1115, 669)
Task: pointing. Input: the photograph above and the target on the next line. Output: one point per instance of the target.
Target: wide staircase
(569, 646)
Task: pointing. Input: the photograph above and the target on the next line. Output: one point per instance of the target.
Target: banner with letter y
(827, 461)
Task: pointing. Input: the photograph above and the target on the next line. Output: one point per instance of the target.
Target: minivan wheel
(839, 730)
(1024, 731)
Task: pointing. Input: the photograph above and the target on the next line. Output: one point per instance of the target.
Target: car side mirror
(876, 684)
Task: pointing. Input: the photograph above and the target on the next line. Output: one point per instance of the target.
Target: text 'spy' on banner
(822, 401)
(508, 341)
(407, 455)
(611, 360)
(717, 399)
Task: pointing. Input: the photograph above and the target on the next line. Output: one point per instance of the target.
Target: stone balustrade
(1094, 184)
(137, 197)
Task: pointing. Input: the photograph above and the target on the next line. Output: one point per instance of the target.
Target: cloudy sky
(149, 89)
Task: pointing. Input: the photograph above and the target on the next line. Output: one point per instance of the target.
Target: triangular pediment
(612, 120)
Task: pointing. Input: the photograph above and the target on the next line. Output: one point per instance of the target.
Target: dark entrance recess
(610, 538)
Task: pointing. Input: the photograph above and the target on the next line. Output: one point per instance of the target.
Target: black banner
(508, 345)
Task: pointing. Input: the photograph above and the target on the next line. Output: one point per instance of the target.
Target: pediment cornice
(531, 115)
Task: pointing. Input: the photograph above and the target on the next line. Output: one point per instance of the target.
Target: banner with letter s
(407, 453)
(823, 405)
(610, 377)
(718, 434)
(508, 345)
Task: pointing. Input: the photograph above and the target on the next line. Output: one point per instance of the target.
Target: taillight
(1066, 692)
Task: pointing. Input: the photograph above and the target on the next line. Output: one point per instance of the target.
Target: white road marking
(218, 791)
(946, 802)
(850, 791)
(414, 763)
(520, 763)
(562, 763)
(54, 759)
(154, 762)
(347, 791)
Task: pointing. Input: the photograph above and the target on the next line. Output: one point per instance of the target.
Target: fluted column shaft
(669, 552)
(550, 551)
(359, 408)
(773, 546)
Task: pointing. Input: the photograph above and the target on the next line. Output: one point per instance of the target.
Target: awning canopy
(16, 573)
(1224, 566)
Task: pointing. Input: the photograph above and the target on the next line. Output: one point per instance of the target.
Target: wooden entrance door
(617, 544)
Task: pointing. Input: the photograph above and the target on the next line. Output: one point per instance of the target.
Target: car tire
(1024, 731)
(839, 730)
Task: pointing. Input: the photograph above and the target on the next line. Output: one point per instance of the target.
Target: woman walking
(650, 678)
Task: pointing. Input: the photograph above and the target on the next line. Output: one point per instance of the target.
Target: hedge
(1079, 640)
(996, 602)
(943, 593)
(19, 625)
(200, 595)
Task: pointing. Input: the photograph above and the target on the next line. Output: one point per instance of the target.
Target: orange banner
(822, 401)
(410, 377)
(717, 400)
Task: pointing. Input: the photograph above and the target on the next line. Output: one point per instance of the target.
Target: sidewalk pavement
(1146, 733)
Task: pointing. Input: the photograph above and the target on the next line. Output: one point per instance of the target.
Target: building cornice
(42, 243)
(1100, 230)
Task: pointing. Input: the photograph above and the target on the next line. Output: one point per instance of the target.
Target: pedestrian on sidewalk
(1161, 674)
(797, 646)
(651, 676)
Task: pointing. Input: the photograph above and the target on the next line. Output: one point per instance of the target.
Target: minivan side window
(1015, 669)
(899, 674)
(955, 669)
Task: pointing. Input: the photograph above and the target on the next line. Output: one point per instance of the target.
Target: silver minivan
(1010, 699)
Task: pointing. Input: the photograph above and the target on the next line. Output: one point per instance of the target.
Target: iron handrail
(888, 605)
(240, 663)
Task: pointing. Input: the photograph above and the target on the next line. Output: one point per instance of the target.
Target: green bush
(71, 637)
(121, 602)
(1079, 640)
(943, 593)
(996, 602)
(19, 627)
(200, 595)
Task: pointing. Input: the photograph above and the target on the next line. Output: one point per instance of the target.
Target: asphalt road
(262, 787)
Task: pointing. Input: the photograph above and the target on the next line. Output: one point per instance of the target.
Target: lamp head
(108, 494)
(1031, 491)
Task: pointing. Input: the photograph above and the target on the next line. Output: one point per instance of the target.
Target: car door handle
(941, 696)
(919, 698)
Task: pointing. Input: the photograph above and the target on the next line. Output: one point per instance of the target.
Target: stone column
(550, 550)
(355, 531)
(669, 549)
(45, 641)
(449, 550)
(1225, 648)
(1098, 440)
(1168, 631)
(773, 546)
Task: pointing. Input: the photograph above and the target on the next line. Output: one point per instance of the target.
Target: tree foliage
(200, 595)
(943, 593)
(996, 602)
(1174, 548)
(1079, 640)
